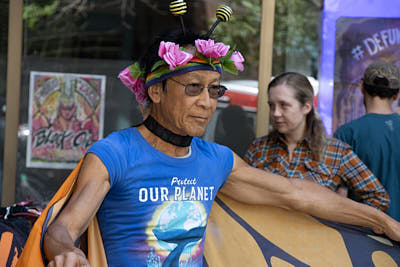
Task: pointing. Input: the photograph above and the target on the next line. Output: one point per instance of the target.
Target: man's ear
(155, 92)
(395, 96)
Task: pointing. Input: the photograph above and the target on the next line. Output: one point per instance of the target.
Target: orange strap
(32, 254)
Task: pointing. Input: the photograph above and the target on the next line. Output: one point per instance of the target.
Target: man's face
(184, 114)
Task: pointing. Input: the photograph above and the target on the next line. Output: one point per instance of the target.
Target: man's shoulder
(122, 134)
(396, 116)
(371, 118)
(353, 126)
(208, 147)
(202, 143)
(344, 131)
(118, 139)
(366, 121)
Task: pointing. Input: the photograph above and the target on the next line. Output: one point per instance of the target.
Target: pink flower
(172, 55)
(135, 85)
(237, 59)
(211, 49)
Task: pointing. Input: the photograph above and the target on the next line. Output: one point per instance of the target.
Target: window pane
(234, 121)
(296, 36)
(92, 38)
(296, 48)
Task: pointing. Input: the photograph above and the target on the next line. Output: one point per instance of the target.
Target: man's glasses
(195, 89)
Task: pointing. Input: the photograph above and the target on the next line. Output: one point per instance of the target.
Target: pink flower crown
(174, 56)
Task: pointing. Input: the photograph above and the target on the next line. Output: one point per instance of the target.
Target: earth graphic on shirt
(179, 228)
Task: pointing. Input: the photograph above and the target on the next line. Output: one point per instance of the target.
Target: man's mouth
(200, 118)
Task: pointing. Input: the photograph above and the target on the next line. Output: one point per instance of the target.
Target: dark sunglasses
(195, 89)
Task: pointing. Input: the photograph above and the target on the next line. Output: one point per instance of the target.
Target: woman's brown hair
(303, 92)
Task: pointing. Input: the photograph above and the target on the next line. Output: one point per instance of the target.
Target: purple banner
(363, 41)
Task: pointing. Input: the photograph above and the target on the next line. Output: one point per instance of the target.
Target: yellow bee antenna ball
(178, 7)
(224, 13)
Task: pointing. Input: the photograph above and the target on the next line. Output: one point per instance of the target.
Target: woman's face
(288, 116)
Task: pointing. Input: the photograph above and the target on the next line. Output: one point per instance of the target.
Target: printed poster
(66, 113)
(359, 42)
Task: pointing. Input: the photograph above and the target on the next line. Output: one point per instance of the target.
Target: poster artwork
(359, 42)
(65, 117)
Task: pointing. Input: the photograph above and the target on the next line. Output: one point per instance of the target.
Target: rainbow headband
(164, 72)
(175, 61)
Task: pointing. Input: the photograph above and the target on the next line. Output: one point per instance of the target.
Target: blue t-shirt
(156, 211)
(375, 138)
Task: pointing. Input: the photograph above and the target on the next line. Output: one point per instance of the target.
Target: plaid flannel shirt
(339, 166)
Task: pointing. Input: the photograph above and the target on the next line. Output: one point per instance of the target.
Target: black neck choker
(166, 135)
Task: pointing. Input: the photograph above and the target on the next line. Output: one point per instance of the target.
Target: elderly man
(152, 186)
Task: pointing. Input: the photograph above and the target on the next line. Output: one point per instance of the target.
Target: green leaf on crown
(210, 62)
(200, 55)
(227, 57)
(157, 64)
(230, 67)
(135, 70)
(229, 54)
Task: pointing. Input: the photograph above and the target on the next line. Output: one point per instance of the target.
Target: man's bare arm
(255, 186)
(91, 188)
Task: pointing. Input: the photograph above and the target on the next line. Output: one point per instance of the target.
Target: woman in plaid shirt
(298, 146)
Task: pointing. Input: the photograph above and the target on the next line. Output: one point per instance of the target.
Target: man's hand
(392, 229)
(74, 258)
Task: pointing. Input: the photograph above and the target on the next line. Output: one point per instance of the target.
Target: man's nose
(204, 98)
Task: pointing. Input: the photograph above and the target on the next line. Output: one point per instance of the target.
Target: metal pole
(14, 57)
(265, 65)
